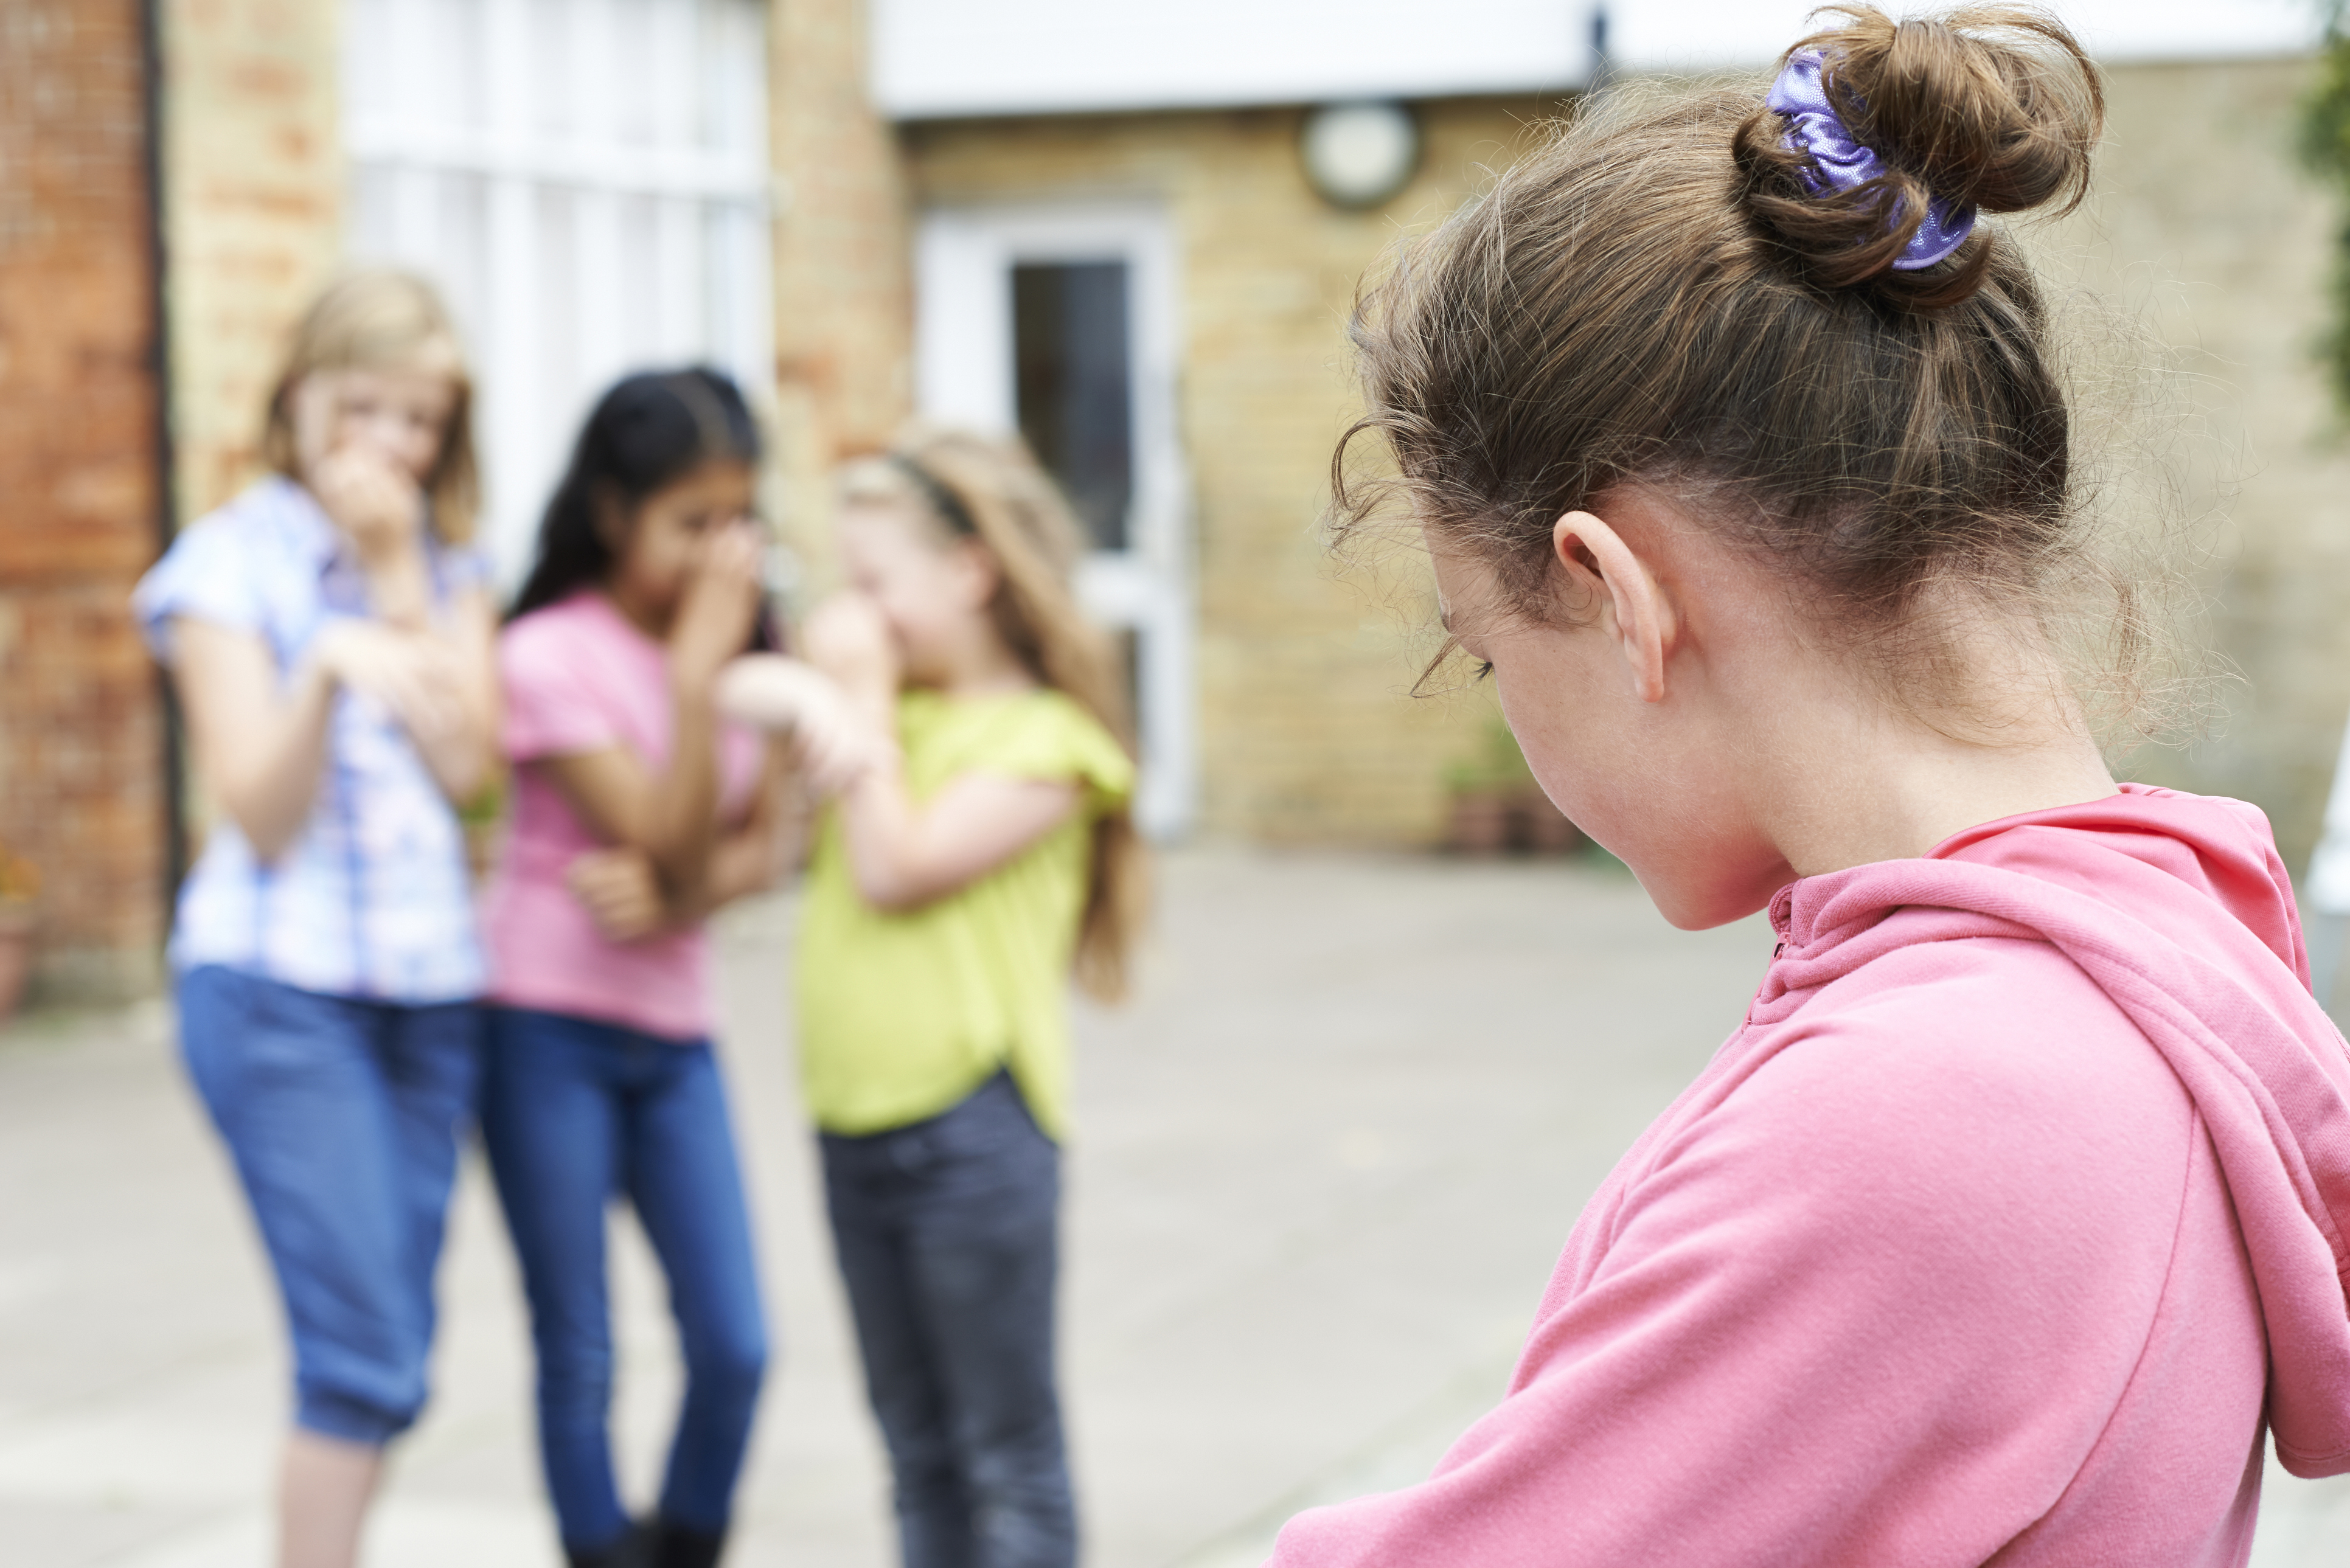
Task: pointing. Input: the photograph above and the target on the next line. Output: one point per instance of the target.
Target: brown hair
(996, 493)
(380, 318)
(1654, 297)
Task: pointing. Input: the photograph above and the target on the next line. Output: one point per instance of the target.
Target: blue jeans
(344, 1118)
(949, 1238)
(574, 1114)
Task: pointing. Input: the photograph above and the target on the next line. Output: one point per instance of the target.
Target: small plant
(486, 805)
(1496, 764)
(1498, 806)
(20, 880)
(2325, 148)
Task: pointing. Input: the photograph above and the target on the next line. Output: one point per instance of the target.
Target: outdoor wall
(2205, 229)
(2203, 232)
(1306, 731)
(2202, 224)
(844, 303)
(82, 742)
(253, 177)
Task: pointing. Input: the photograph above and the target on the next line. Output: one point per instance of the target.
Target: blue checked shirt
(372, 899)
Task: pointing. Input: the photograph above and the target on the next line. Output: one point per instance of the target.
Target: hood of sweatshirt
(2177, 907)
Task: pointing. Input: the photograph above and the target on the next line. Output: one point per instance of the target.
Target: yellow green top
(902, 1015)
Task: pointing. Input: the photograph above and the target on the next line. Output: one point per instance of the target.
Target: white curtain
(587, 181)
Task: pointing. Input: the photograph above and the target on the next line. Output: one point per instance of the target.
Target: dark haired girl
(2010, 1218)
(637, 812)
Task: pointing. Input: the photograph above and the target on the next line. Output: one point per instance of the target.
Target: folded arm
(260, 740)
(903, 854)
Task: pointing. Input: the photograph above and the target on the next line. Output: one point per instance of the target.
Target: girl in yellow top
(982, 858)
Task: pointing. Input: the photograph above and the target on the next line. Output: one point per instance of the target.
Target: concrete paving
(1321, 1168)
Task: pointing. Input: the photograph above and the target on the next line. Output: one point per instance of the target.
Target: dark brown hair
(1654, 297)
(995, 493)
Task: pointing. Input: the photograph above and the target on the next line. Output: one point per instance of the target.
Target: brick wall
(2205, 235)
(253, 176)
(81, 731)
(1306, 730)
(844, 301)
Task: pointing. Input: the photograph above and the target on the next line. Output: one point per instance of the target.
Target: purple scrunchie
(1813, 125)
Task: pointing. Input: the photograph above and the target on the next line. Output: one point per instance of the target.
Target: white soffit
(935, 58)
(942, 58)
(1685, 34)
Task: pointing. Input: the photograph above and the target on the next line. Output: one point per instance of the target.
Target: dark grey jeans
(949, 1238)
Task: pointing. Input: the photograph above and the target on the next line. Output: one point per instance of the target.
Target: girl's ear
(978, 573)
(609, 518)
(1609, 577)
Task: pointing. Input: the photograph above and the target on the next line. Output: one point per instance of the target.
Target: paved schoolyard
(1323, 1165)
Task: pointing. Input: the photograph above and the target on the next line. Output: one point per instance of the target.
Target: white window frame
(965, 374)
(711, 241)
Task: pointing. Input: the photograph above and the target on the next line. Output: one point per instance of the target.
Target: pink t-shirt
(580, 678)
(2013, 1212)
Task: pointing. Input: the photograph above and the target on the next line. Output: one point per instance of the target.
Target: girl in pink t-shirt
(2010, 1218)
(637, 811)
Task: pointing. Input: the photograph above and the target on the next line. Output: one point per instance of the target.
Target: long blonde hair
(379, 318)
(996, 493)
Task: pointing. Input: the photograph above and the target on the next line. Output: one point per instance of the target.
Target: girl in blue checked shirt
(329, 634)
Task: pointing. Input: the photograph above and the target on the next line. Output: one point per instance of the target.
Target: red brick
(80, 726)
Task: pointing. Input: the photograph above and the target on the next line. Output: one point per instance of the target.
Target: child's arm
(381, 512)
(461, 754)
(903, 854)
(672, 815)
(621, 890)
(260, 741)
(752, 857)
(830, 743)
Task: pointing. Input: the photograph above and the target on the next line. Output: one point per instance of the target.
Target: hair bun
(1991, 106)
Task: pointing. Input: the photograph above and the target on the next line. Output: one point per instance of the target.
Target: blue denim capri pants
(344, 1118)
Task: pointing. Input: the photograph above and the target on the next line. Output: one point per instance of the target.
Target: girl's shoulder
(581, 651)
(270, 519)
(242, 564)
(1038, 734)
(580, 622)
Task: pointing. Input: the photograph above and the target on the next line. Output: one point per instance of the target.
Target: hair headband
(1838, 162)
(943, 500)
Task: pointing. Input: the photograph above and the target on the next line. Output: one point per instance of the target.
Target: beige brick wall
(254, 175)
(2203, 232)
(844, 301)
(1305, 733)
(2204, 229)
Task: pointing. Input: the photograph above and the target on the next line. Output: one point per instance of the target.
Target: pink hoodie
(1991, 1236)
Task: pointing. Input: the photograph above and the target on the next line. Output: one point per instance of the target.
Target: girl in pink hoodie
(2013, 1218)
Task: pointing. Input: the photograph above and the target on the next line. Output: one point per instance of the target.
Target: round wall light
(1360, 154)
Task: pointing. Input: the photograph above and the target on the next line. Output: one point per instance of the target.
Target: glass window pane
(1073, 381)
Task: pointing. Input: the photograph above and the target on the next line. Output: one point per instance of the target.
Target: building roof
(946, 59)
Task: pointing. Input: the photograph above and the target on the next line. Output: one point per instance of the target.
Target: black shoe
(675, 1546)
(635, 1548)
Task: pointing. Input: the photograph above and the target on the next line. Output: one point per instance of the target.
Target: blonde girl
(954, 889)
(328, 633)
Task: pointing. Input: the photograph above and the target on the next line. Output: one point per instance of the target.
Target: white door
(1059, 322)
(587, 182)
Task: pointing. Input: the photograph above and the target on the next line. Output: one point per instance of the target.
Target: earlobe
(1632, 605)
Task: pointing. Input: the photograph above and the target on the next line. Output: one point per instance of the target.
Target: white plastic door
(985, 359)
